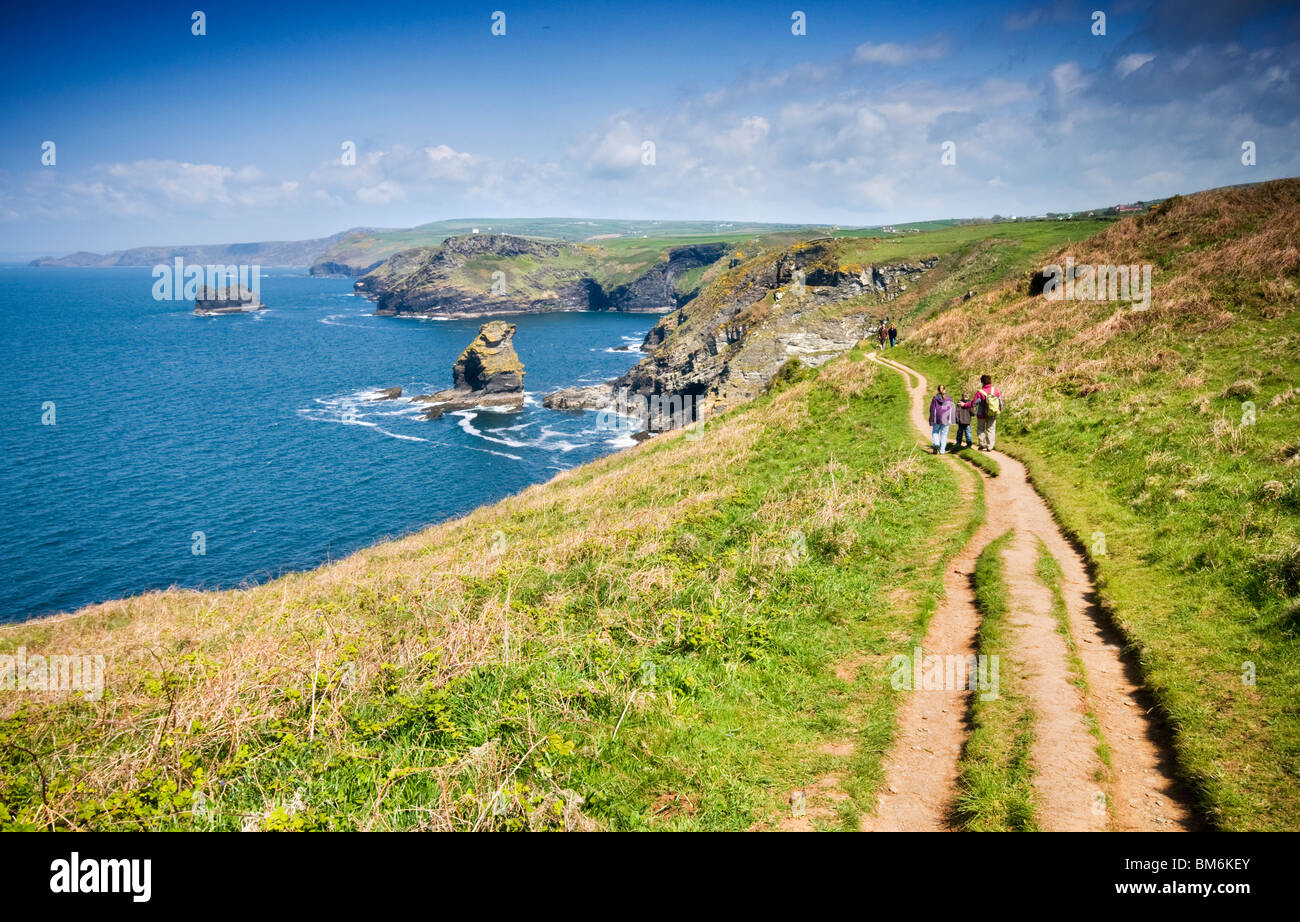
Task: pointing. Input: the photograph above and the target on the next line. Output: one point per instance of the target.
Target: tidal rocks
(388, 393)
(590, 397)
(235, 299)
(487, 374)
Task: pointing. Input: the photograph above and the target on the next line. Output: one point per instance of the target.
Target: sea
(145, 447)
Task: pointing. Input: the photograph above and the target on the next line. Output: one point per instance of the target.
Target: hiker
(988, 400)
(882, 334)
(893, 336)
(941, 415)
(964, 413)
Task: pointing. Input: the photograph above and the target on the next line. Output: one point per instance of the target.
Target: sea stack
(233, 300)
(487, 374)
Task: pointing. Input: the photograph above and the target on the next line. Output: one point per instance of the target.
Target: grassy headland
(1165, 441)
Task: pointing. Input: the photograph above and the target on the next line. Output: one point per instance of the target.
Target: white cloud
(1068, 78)
(1131, 62)
(894, 53)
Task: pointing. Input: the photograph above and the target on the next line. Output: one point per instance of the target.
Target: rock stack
(233, 300)
(487, 374)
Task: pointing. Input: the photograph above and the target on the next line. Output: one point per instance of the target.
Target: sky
(164, 137)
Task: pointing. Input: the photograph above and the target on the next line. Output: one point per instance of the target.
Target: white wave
(467, 418)
(499, 454)
(333, 320)
(558, 441)
(398, 435)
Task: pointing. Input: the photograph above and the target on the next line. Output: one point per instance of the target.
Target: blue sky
(163, 137)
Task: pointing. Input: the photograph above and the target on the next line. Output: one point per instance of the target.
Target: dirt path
(1070, 778)
(921, 771)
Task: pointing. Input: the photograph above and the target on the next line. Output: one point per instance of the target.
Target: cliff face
(656, 290)
(499, 273)
(726, 345)
(328, 268)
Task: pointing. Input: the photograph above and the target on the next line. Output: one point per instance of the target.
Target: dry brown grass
(1227, 234)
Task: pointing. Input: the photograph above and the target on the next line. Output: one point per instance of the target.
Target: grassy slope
(503, 649)
(657, 633)
(1134, 426)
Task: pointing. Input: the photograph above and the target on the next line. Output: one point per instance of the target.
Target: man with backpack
(989, 401)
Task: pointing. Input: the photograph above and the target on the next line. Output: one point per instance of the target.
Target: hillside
(357, 251)
(498, 273)
(772, 301)
(1165, 439)
(272, 253)
(698, 632)
(577, 648)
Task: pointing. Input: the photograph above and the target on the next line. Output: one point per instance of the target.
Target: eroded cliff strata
(726, 346)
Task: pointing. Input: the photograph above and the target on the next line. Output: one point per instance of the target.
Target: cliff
(807, 302)
(479, 274)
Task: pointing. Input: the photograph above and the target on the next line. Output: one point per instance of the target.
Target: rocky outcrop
(656, 290)
(236, 299)
(481, 274)
(726, 345)
(588, 397)
(389, 393)
(487, 374)
(328, 268)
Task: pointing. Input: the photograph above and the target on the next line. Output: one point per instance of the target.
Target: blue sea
(256, 430)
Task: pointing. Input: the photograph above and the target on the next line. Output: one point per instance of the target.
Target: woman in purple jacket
(942, 412)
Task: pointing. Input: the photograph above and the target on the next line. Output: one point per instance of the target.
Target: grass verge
(995, 775)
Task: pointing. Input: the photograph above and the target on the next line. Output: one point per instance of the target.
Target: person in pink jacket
(942, 413)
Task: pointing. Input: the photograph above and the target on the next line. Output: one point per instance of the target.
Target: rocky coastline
(458, 278)
(727, 345)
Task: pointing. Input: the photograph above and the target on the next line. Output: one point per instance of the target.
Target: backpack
(992, 404)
